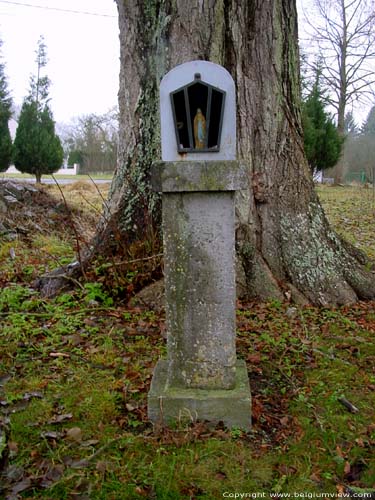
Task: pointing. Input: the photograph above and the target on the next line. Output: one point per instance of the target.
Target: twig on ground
(72, 226)
(348, 405)
(98, 190)
(114, 264)
(65, 276)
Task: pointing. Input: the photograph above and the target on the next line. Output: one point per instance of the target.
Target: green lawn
(351, 210)
(75, 372)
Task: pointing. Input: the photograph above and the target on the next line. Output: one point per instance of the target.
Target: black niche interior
(187, 102)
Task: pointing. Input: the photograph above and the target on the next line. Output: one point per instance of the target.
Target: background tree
(37, 148)
(359, 151)
(5, 115)
(368, 126)
(322, 141)
(350, 126)
(92, 141)
(284, 242)
(75, 157)
(343, 34)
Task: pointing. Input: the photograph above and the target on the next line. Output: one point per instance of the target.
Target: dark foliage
(5, 114)
(322, 141)
(37, 149)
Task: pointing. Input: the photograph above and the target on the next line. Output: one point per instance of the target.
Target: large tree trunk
(284, 241)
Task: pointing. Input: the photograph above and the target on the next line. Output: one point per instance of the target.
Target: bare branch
(343, 33)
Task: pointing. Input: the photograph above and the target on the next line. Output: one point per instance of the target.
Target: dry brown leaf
(57, 419)
(102, 466)
(13, 447)
(74, 434)
(347, 468)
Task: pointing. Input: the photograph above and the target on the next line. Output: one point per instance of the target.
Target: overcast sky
(83, 52)
(82, 49)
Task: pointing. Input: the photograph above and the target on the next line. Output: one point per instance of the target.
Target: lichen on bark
(284, 240)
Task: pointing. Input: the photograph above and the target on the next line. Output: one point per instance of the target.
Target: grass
(75, 372)
(351, 210)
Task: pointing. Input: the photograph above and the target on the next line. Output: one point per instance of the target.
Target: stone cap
(190, 176)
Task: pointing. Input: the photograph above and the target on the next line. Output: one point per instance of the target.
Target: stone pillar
(201, 379)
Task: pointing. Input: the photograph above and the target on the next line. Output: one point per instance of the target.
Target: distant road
(51, 181)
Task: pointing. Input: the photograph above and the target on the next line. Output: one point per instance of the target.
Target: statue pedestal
(170, 405)
(201, 379)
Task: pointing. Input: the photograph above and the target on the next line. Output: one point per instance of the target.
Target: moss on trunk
(284, 241)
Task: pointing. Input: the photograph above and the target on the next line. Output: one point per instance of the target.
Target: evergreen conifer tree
(322, 141)
(5, 115)
(368, 127)
(351, 127)
(37, 148)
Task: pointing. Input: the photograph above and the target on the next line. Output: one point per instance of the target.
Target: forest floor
(75, 371)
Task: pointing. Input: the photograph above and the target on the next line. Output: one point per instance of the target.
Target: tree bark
(284, 242)
(338, 170)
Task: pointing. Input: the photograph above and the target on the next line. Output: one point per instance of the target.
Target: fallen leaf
(287, 470)
(81, 488)
(355, 471)
(339, 452)
(13, 447)
(23, 485)
(257, 409)
(4, 379)
(30, 395)
(348, 405)
(102, 466)
(51, 435)
(340, 489)
(315, 477)
(57, 419)
(74, 434)
(254, 358)
(89, 442)
(360, 442)
(74, 339)
(347, 468)
(163, 330)
(284, 421)
(220, 475)
(53, 474)
(19, 406)
(141, 491)
(80, 464)
(14, 473)
(90, 322)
